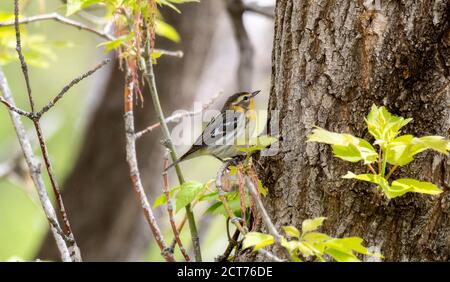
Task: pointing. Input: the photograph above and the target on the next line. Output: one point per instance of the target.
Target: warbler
(222, 136)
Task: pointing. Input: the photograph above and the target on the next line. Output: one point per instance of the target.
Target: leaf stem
(371, 168)
(380, 159)
(391, 171)
(383, 167)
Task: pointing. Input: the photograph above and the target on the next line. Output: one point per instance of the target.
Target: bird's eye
(245, 98)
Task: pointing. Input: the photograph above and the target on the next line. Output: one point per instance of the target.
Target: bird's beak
(255, 93)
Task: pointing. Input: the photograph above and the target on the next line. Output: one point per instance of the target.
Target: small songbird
(223, 135)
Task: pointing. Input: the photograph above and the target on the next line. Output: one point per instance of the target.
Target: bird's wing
(222, 129)
(219, 131)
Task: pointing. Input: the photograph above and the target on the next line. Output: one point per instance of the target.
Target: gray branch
(34, 167)
(58, 18)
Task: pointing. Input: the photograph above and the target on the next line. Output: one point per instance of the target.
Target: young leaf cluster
(394, 150)
(310, 244)
(117, 7)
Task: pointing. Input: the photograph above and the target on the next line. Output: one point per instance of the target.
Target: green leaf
(376, 179)
(162, 199)
(209, 197)
(312, 224)
(356, 150)
(373, 178)
(399, 187)
(213, 208)
(73, 6)
(262, 190)
(342, 249)
(436, 143)
(233, 170)
(345, 146)
(188, 192)
(402, 150)
(166, 30)
(340, 256)
(257, 240)
(291, 231)
(170, 3)
(314, 237)
(219, 209)
(412, 185)
(398, 152)
(324, 136)
(116, 43)
(259, 144)
(383, 125)
(305, 248)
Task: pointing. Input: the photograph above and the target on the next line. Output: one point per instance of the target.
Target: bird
(222, 136)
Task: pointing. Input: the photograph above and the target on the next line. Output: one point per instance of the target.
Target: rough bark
(101, 203)
(331, 60)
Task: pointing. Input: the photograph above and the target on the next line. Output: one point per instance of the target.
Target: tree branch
(34, 168)
(58, 18)
(134, 169)
(23, 64)
(230, 213)
(69, 22)
(13, 108)
(177, 117)
(166, 191)
(150, 79)
(71, 243)
(262, 210)
(69, 86)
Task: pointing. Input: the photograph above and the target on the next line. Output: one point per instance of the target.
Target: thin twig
(34, 168)
(166, 191)
(264, 214)
(262, 210)
(232, 242)
(230, 213)
(13, 108)
(57, 191)
(183, 221)
(150, 79)
(177, 117)
(71, 243)
(23, 64)
(391, 171)
(371, 168)
(134, 170)
(58, 18)
(69, 86)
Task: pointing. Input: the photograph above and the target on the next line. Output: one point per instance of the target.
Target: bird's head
(241, 102)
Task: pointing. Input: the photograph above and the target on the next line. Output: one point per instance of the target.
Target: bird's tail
(192, 153)
(173, 164)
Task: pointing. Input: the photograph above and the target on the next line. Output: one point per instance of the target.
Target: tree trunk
(102, 206)
(331, 61)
